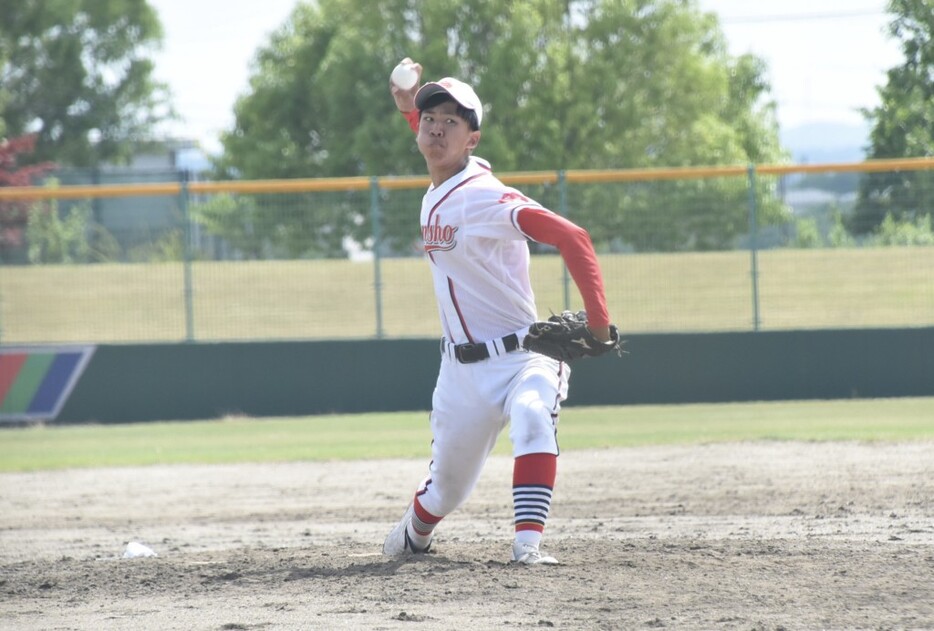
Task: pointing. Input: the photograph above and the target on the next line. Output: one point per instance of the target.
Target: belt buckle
(460, 352)
(471, 353)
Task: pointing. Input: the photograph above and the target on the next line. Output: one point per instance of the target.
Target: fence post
(563, 211)
(753, 246)
(186, 256)
(377, 241)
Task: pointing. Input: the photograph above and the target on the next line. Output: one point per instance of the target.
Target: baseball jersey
(475, 231)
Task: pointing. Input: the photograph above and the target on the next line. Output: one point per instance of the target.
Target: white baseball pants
(473, 403)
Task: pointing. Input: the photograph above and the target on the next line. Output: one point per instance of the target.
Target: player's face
(444, 138)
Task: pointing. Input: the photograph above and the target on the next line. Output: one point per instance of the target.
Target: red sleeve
(412, 118)
(576, 248)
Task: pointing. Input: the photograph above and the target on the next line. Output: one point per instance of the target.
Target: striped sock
(422, 525)
(533, 480)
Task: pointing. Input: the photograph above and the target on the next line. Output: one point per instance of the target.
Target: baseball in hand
(404, 76)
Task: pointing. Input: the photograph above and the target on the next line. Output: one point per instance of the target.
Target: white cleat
(527, 554)
(398, 543)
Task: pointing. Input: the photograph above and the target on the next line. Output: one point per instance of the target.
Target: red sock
(533, 480)
(423, 522)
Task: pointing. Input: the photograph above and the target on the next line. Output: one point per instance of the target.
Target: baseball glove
(565, 337)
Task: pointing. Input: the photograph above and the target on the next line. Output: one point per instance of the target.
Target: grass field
(406, 435)
(247, 300)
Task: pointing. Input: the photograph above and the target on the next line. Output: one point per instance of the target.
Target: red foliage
(13, 214)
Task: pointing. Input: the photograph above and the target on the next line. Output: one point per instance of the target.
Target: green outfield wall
(129, 383)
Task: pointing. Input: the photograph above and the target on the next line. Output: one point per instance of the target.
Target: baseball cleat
(398, 543)
(527, 554)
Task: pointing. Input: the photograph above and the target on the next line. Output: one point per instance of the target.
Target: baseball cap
(457, 90)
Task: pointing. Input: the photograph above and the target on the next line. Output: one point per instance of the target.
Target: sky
(826, 58)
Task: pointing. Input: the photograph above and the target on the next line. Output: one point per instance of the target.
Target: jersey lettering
(513, 196)
(438, 237)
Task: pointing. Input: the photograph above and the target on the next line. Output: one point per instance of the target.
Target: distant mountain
(813, 143)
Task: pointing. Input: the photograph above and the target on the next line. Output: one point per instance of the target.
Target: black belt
(472, 353)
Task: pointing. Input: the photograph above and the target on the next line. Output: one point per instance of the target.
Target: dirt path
(768, 535)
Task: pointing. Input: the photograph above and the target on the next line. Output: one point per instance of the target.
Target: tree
(77, 73)
(14, 215)
(572, 85)
(902, 124)
(258, 230)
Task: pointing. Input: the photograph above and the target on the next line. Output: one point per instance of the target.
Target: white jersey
(479, 257)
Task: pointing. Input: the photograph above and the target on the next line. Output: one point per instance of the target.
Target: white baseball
(404, 76)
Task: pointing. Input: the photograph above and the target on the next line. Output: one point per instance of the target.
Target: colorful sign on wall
(35, 381)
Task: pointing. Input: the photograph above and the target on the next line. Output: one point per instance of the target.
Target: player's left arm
(576, 248)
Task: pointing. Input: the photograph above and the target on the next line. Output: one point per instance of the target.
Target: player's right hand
(405, 99)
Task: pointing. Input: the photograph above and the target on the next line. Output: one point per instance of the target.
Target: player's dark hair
(468, 115)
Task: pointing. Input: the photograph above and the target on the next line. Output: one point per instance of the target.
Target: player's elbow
(581, 235)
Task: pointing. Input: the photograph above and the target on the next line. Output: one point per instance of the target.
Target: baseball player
(475, 232)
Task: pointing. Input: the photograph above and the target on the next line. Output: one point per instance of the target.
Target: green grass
(327, 299)
(851, 419)
(406, 435)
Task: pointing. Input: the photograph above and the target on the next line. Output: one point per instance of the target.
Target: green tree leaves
(607, 84)
(903, 124)
(572, 85)
(78, 73)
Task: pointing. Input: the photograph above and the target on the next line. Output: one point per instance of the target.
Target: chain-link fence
(682, 250)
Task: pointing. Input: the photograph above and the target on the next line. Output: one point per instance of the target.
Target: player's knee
(532, 429)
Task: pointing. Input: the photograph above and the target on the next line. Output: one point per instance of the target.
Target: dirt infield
(766, 535)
